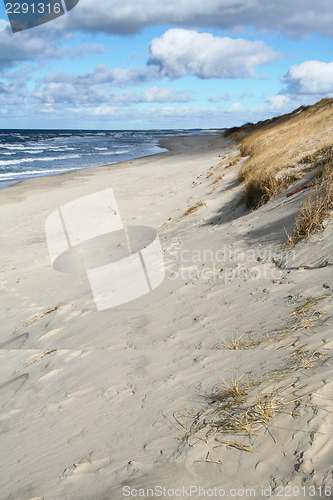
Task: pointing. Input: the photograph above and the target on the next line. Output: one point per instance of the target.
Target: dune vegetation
(280, 151)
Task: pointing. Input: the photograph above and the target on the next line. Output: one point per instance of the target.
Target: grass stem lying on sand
(49, 310)
(194, 208)
(307, 312)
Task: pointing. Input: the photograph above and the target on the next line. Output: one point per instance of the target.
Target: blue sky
(129, 64)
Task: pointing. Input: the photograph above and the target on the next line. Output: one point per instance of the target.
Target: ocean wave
(106, 153)
(31, 173)
(42, 173)
(45, 158)
(14, 147)
(35, 149)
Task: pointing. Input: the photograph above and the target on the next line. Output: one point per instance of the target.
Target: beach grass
(280, 150)
(241, 408)
(317, 206)
(246, 404)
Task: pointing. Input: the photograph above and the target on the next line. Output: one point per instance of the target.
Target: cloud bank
(294, 18)
(39, 45)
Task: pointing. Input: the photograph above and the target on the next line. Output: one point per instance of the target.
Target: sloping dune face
(220, 377)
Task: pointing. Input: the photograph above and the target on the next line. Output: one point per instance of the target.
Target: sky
(157, 64)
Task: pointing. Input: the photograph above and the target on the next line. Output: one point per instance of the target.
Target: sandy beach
(218, 379)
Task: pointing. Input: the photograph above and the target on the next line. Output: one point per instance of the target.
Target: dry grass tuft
(231, 394)
(247, 340)
(306, 313)
(219, 177)
(308, 305)
(285, 144)
(258, 191)
(247, 415)
(303, 358)
(194, 208)
(240, 342)
(317, 206)
(244, 407)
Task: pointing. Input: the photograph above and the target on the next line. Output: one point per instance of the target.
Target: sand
(105, 404)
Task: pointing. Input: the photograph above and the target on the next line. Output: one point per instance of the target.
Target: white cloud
(180, 52)
(126, 98)
(278, 102)
(226, 97)
(236, 107)
(37, 45)
(118, 77)
(176, 117)
(175, 54)
(161, 95)
(85, 95)
(24, 46)
(310, 77)
(83, 50)
(102, 75)
(296, 18)
(66, 93)
(153, 95)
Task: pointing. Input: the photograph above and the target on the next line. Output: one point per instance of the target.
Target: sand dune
(218, 378)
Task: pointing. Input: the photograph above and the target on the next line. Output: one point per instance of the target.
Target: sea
(25, 154)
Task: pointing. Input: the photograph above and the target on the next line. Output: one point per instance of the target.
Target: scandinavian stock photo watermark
(228, 263)
(123, 263)
(195, 491)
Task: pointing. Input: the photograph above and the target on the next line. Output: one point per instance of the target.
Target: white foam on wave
(45, 158)
(32, 151)
(28, 173)
(42, 173)
(106, 153)
(24, 147)
(35, 149)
